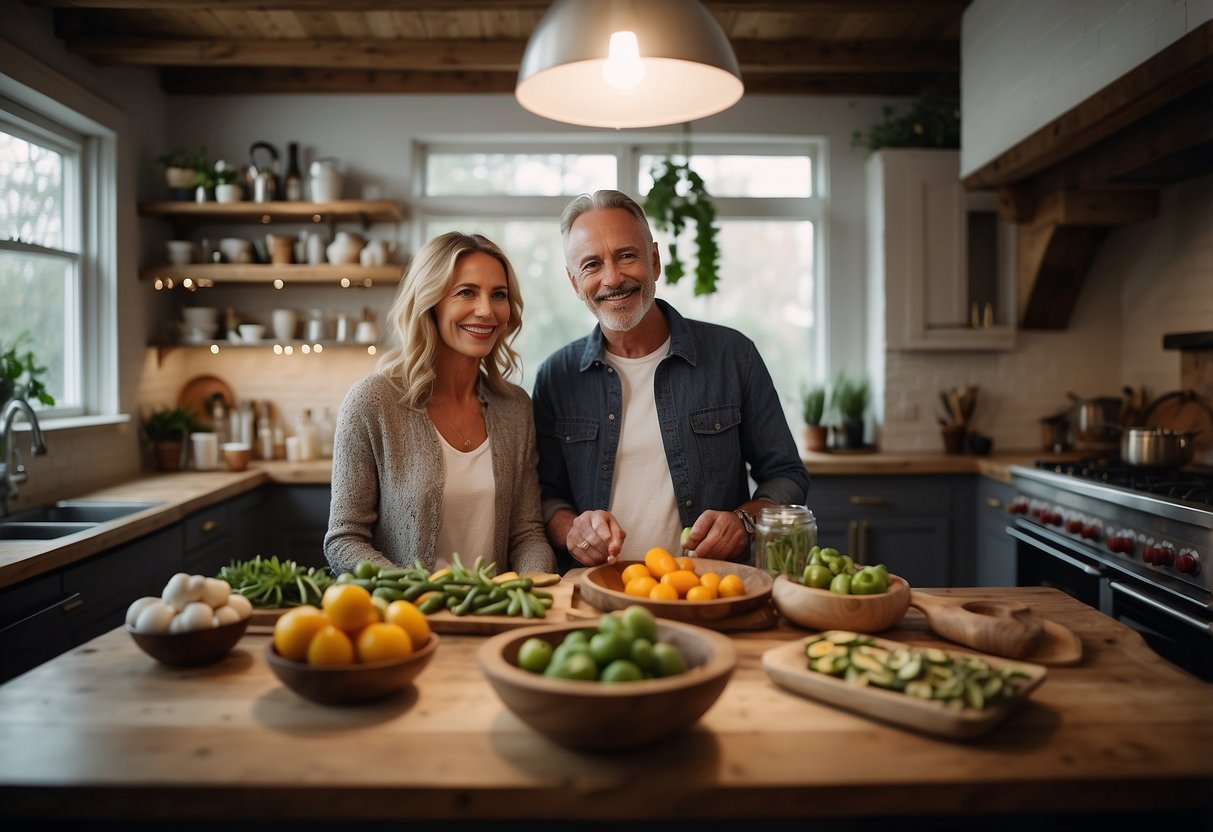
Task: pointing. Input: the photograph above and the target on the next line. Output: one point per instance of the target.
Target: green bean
(432, 604)
(495, 608)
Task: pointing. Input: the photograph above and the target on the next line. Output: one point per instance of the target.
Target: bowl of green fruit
(834, 593)
(625, 680)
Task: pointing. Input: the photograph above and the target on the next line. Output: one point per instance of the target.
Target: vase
(229, 192)
(852, 430)
(167, 455)
(344, 248)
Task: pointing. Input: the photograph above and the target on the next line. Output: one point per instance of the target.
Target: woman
(434, 452)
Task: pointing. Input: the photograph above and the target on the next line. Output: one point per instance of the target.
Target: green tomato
(841, 584)
(829, 553)
(668, 659)
(818, 576)
(535, 655)
(869, 582)
(609, 647)
(366, 570)
(848, 565)
(641, 622)
(621, 670)
(577, 638)
(642, 655)
(576, 666)
(613, 622)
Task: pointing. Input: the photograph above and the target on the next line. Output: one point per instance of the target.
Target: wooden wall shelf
(262, 274)
(364, 211)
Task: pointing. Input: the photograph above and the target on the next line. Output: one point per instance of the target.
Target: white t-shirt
(468, 491)
(642, 495)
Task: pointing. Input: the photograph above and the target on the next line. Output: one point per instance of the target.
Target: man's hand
(592, 537)
(719, 535)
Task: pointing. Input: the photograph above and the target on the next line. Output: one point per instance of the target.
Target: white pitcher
(344, 248)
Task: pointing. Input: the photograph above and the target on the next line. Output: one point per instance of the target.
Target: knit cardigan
(388, 478)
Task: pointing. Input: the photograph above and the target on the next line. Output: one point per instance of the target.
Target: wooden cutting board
(787, 667)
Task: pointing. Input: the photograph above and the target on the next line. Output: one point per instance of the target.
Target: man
(647, 425)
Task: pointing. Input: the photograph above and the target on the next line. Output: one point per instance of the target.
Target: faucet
(9, 479)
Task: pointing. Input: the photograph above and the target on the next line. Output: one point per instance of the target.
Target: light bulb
(623, 68)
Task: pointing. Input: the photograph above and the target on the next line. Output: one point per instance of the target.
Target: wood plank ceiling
(827, 47)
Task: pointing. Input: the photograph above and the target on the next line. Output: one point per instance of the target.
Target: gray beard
(613, 322)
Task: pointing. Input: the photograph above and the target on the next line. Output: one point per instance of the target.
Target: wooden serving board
(1004, 628)
(445, 621)
(787, 667)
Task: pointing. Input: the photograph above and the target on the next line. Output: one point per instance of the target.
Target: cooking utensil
(1004, 628)
(1182, 411)
(263, 179)
(1157, 447)
(1098, 419)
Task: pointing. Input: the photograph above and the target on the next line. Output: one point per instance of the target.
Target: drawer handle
(74, 603)
(993, 502)
(67, 604)
(210, 526)
(868, 501)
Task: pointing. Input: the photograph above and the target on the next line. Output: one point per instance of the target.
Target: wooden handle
(999, 627)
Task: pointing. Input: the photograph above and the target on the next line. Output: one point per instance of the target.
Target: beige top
(388, 478)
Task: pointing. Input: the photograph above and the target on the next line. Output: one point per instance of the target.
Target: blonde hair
(411, 360)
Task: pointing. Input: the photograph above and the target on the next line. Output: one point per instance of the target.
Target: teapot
(263, 180)
(344, 248)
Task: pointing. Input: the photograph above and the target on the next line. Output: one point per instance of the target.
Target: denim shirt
(716, 407)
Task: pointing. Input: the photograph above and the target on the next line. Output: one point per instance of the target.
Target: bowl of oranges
(679, 589)
(352, 648)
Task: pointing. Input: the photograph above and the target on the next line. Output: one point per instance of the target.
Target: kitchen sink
(78, 511)
(18, 530)
(66, 517)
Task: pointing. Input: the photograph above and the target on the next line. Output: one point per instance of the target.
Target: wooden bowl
(599, 716)
(355, 683)
(197, 647)
(820, 609)
(602, 588)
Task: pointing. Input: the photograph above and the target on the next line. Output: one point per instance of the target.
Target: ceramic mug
(206, 451)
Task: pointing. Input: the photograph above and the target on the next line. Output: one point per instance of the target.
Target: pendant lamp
(628, 63)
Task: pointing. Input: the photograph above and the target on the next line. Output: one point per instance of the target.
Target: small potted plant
(813, 404)
(227, 183)
(181, 171)
(166, 429)
(850, 398)
(21, 374)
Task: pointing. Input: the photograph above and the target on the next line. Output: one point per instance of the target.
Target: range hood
(1101, 166)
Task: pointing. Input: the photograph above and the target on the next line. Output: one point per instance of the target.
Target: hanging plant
(678, 196)
(933, 120)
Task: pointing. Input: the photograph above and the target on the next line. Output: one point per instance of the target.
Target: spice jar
(783, 536)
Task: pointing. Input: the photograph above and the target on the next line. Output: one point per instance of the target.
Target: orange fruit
(659, 561)
(730, 586)
(348, 606)
(663, 592)
(711, 580)
(330, 647)
(686, 563)
(701, 593)
(640, 586)
(293, 632)
(404, 614)
(383, 642)
(635, 570)
(681, 580)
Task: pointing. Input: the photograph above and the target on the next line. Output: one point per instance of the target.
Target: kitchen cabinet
(185, 216)
(995, 549)
(914, 525)
(300, 516)
(939, 257)
(109, 582)
(33, 624)
(227, 531)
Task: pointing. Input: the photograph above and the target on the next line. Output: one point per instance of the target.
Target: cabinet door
(208, 540)
(995, 550)
(33, 624)
(301, 519)
(109, 582)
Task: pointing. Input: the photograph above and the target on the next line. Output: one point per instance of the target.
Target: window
(769, 213)
(41, 179)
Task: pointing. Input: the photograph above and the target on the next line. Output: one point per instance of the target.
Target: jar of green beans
(783, 536)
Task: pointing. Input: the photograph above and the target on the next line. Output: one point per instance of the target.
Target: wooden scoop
(1003, 628)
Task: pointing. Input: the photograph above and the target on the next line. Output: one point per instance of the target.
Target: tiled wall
(77, 462)
(1028, 61)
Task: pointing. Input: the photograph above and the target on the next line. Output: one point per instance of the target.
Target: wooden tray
(197, 390)
(788, 667)
(445, 621)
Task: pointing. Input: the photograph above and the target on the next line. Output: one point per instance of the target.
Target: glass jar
(783, 536)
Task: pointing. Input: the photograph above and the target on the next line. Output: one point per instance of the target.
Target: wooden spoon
(1004, 628)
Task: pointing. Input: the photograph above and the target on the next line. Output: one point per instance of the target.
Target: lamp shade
(669, 62)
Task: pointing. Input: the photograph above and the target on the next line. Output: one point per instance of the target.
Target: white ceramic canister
(282, 321)
(206, 451)
(324, 180)
(315, 248)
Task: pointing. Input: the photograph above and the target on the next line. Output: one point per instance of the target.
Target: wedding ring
(585, 544)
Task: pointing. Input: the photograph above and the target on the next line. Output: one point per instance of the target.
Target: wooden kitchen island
(104, 733)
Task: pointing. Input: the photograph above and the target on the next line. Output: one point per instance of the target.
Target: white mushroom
(215, 592)
(155, 618)
(137, 606)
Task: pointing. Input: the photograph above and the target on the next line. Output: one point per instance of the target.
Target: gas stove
(1188, 485)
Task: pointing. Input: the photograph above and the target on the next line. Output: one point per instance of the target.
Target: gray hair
(598, 201)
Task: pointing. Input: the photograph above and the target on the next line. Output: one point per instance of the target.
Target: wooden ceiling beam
(833, 7)
(789, 55)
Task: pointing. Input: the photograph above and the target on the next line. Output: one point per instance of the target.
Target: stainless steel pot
(1157, 447)
(1098, 419)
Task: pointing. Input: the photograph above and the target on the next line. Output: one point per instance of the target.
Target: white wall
(1025, 62)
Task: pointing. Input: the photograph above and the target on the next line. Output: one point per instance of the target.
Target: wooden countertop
(104, 733)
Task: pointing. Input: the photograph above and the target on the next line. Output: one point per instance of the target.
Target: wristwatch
(747, 520)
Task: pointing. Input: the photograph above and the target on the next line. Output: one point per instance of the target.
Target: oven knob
(1018, 506)
(1187, 562)
(1074, 525)
(1091, 531)
(1054, 518)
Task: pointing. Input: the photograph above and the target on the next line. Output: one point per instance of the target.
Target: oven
(1139, 558)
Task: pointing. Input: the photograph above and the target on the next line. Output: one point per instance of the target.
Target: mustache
(618, 291)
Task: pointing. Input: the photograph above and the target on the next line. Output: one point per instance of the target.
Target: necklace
(467, 443)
